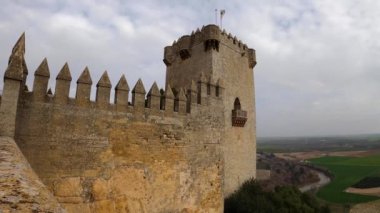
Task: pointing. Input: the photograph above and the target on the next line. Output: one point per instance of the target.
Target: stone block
(74, 208)
(68, 187)
(100, 189)
(103, 206)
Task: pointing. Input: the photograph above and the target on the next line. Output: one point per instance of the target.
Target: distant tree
(250, 198)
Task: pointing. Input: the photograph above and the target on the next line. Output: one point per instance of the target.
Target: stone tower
(216, 58)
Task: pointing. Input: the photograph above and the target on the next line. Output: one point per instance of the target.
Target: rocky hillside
(20, 188)
(284, 172)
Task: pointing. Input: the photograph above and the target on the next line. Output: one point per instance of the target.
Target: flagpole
(221, 27)
(222, 12)
(216, 16)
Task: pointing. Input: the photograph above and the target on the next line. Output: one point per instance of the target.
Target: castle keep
(182, 149)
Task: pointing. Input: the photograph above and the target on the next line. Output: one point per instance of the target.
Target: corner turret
(15, 69)
(13, 86)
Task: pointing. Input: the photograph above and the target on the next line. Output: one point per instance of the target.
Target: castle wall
(97, 159)
(166, 151)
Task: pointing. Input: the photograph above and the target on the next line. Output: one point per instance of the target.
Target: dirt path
(323, 180)
(371, 207)
(369, 191)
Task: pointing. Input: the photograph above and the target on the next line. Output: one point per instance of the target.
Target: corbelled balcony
(239, 117)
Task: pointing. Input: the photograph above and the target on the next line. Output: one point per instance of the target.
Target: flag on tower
(222, 12)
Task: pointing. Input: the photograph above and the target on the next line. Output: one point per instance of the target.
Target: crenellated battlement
(211, 37)
(167, 102)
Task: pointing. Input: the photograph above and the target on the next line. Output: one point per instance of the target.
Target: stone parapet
(211, 36)
(171, 103)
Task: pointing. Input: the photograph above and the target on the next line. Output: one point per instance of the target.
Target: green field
(347, 171)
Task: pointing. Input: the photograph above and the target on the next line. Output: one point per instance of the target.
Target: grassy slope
(347, 171)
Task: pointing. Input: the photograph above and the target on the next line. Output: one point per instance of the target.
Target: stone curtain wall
(123, 158)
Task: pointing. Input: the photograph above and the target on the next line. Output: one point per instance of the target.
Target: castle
(182, 149)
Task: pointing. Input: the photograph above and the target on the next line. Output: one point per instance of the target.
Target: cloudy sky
(318, 70)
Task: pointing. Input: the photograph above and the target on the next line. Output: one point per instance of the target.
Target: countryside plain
(351, 162)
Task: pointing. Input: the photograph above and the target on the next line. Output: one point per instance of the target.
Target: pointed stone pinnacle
(192, 32)
(85, 77)
(64, 74)
(16, 63)
(193, 86)
(19, 47)
(197, 31)
(154, 91)
(43, 69)
(122, 84)
(104, 81)
(229, 35)
(139, 87)
(181, 95)
(169, 92)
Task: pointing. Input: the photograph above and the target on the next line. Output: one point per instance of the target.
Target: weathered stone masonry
(171, 151)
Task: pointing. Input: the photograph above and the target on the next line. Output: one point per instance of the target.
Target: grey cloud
(317, 72)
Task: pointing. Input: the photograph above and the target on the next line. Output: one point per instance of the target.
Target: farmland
(321, 144)
(350, 158)
(347, 172)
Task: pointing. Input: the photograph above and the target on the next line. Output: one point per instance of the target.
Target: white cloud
(317, 72)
